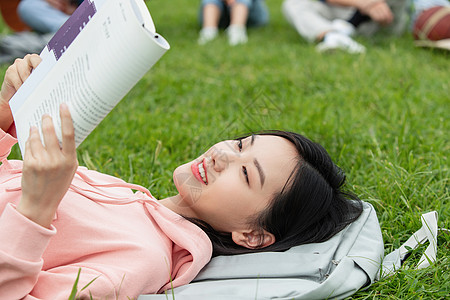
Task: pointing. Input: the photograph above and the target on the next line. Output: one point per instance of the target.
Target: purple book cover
(71, 28)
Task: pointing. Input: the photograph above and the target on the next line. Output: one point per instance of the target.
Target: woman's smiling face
(235, 180)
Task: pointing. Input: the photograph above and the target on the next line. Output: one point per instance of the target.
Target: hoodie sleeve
(22, 244)
(6, 143)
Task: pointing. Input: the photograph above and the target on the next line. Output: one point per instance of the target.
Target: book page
(105, 60)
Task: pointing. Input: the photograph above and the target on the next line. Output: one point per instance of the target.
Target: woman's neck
(176, 204)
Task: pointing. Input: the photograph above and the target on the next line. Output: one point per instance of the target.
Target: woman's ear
(253, 239)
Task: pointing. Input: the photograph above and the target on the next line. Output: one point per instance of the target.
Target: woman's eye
(244, 170)
(239, 144)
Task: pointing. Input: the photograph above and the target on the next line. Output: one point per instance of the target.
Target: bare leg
(239, 14)
(211, 15)
(237, 31)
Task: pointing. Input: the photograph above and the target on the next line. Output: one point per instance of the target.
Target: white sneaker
(336, 40)
(207, 34)
(343, 27)
(237, 35)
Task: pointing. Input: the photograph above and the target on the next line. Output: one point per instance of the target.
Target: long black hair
(311, 207)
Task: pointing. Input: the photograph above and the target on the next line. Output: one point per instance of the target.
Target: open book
(91, 63)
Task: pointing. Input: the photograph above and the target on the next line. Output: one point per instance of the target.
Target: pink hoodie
(128, 242)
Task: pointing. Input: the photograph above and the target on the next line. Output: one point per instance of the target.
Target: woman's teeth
(202, 172)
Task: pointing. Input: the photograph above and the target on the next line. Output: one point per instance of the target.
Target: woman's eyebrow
(262, 177)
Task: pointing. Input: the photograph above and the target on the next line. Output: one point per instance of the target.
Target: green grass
(383, 117)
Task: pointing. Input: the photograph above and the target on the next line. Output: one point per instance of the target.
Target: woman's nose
(221, 158)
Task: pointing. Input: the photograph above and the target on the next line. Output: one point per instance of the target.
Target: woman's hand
(15, 76)
(378, 11)
(48, 169)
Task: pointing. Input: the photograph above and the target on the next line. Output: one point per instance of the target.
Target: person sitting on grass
(332, 23)
(46, 16)
(235, 15)
(263, 192)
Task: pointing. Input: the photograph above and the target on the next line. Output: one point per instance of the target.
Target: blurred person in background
(43, 18)
(46, 16)
(332, 23)
(234, 15)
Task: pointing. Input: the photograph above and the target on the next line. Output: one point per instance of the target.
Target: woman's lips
(199, 171)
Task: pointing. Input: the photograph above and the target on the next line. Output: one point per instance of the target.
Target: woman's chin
(188, 187)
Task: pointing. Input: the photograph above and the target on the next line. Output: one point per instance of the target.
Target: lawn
(383, 117)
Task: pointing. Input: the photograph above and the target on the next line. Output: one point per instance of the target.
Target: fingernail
(64, 106)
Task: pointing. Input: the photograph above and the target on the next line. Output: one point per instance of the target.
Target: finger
(49, 134)
(376, 16)
(23, 69)
(28, 151)
(26, 65)
(390, 16)
(33, 60)
(35, 143)
(384, 13)
(385, 18)
(67, 131)
(12, 78)
(380, 16)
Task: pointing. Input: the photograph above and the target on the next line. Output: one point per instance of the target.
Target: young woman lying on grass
(264, 192)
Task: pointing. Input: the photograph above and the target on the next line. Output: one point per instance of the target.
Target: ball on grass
(433, 24)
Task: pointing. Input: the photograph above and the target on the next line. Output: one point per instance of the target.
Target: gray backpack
(337, 268)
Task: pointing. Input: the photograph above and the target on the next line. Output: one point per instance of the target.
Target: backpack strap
(428, 232)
